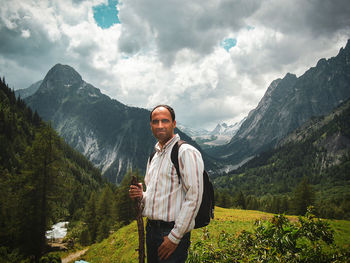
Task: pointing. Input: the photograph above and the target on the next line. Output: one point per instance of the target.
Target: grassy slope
(120, 246)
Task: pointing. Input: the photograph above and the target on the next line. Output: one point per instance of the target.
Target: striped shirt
(165, 198)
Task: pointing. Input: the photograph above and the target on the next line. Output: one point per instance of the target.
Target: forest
(44, 181)
(310, 170)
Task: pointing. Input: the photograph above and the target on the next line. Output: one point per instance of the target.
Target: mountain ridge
(24, 93)
(287, 104)
(318, 152)
(115, 137)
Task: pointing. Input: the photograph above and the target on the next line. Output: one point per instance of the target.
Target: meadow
(121, 246)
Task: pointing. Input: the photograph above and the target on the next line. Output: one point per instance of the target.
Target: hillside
(287, 104)
(319, 152)
(42, 180)
(113, 136)
(120, 246)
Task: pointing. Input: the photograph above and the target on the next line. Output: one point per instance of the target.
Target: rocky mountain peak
(61, 76)
(277, 89)
(287, 104)
(346, 49)
(61, 72)
(322, 62)
(115, 137)
(62, 88)
(218, 129)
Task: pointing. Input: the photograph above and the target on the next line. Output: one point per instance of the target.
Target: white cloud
(169, 51)
(25, 33)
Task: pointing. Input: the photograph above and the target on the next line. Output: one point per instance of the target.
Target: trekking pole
(140, 227)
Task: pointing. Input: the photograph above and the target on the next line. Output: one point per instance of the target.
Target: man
(170, 204)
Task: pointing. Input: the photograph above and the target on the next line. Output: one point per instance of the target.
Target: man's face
(162, 125)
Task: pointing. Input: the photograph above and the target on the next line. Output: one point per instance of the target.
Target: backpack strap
(175, 157)
(151, 156)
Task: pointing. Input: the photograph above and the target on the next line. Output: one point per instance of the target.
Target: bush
(279, 240)
(50, 258)
(12, 256)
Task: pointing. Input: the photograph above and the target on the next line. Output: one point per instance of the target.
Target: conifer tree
(104, 213)
(224, 199)
(304, 196)
(124, 205)
(240, 200)
(40, 174)
(90, 217)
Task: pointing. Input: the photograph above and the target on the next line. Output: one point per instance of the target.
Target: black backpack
(206, 210)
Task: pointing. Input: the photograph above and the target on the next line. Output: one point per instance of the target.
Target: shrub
(278, 240)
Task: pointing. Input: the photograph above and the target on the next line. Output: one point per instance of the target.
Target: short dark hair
(170, 109)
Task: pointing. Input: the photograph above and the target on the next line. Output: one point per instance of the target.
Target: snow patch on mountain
(220, 135)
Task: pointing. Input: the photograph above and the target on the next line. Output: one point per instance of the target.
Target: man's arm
(191, 169)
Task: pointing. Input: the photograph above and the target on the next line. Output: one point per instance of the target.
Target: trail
(74, 256)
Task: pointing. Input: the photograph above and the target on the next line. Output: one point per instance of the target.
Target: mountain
(113, 136)
(192, 132)
(287, 104)
(318, 151)
(42, 180)
(225, 129)
(220, 135)
(24, 93)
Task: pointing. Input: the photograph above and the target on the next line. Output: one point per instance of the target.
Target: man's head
(170, 109)
(162, 121)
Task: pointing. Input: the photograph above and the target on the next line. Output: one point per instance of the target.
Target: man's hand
(136, 191)
(166, 248)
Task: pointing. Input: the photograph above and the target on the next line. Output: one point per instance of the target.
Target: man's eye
(155, 122)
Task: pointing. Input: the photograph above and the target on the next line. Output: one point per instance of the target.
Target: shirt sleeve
(191, 169)
(144, 194)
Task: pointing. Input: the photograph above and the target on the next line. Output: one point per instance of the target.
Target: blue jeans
(154, 238)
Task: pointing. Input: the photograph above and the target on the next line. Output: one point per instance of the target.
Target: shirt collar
(169, 144)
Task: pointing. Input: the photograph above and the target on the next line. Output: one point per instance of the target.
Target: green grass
(121, 246)
(341, 232)
(118, 247)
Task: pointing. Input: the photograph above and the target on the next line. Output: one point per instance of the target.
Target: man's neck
(162, 144)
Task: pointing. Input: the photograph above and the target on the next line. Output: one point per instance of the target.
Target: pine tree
(40, 174)
(104, 213)
(90, 217)
(125, 207)
(36, 119)
(240, 200)
(224, 199)
(304, 196)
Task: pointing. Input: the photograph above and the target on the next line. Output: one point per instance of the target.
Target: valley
(72, 150)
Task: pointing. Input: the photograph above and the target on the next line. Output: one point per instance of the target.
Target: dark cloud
(173, 52)
(35, 53)
(316, 17)
(329, 16)
(30, 48)
(178, 25)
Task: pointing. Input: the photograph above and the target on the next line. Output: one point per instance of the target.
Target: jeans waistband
(160, 223)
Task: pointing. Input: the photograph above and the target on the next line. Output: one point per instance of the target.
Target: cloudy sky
(212, 60)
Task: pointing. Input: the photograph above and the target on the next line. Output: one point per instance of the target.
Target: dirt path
(74, 256)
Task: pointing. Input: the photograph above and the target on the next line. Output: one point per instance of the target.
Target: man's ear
(174, 124)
